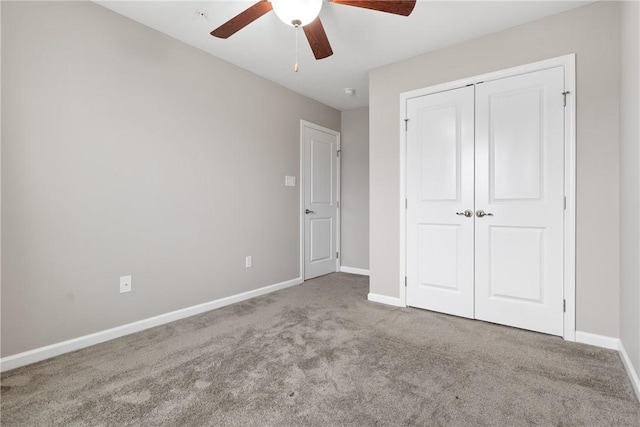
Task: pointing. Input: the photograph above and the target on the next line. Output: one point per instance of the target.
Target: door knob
(480, 213)
(466, 213)
(307, 211)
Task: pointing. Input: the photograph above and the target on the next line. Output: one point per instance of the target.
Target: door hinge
(564, 305)
(564, 94)
(405, 281)
(406, 204)
(565, 203)
(337, 254)
(338, 153)
(338, 203)
(406, 124)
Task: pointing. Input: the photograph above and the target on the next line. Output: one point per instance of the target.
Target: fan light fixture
(297, 13)
(304, 13)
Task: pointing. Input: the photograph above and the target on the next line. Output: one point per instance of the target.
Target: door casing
(303, 124)
(568, 64)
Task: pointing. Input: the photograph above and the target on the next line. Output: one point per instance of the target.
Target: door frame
(303, 178)
(568, 63)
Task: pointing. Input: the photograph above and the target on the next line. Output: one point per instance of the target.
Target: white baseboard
(354, 270)
(633, 374)
(612, 344)
(597, 340)
(46, 352)
(383, 299)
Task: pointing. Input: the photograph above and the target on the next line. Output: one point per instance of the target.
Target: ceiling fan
(304, 13)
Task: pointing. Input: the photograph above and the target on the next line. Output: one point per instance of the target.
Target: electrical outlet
(125, 284)
(247, 261)
(290, 181)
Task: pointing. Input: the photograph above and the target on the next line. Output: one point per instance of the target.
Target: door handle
(307, 211)
(480, 213)
(466, 213)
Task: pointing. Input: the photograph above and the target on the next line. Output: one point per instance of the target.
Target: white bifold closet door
(514, 274)
(520, 180)
(439, 187)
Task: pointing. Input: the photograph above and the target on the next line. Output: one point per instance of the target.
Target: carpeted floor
(321, 354)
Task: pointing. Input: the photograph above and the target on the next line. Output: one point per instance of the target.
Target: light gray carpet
(321, 354)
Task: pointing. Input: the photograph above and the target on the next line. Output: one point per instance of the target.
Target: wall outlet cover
(248, 261)
(290, 181)
(125, 284)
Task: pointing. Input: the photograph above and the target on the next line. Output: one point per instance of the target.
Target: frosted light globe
(291, 11)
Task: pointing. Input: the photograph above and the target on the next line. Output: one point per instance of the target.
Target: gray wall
(128, 152)
(592, 33)
(0, 174)
(354, 187)
(629, 182)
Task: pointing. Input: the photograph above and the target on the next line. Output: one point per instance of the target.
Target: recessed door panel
(516, 129)
(321, 173)
(516, 263)
(438, 253)
(439, 151)
(321, 234)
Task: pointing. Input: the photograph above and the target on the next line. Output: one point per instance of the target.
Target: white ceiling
(361, 39)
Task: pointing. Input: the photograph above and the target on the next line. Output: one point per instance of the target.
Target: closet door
(439, 191)
(520, 201)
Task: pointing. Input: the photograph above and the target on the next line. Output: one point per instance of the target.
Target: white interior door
(497, 154)
(320, 199)
(520, 187)
(440, 178)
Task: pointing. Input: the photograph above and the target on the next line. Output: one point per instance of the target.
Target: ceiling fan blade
(397, 7)
(318, 39)
(241, 20)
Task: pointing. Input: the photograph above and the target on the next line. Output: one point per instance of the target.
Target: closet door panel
(519, 201)
(439, 190)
